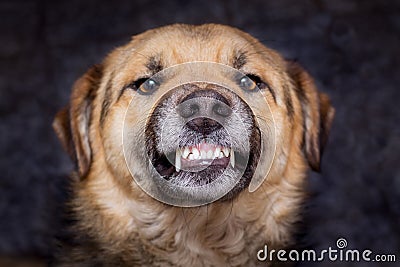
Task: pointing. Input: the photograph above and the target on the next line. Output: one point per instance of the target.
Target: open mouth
(198, 164)
(198, 157)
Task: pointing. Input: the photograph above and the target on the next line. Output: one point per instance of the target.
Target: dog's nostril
(221, 110)
(188, 110)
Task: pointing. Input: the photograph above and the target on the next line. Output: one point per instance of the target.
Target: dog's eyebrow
(154, 64)
(239, 59)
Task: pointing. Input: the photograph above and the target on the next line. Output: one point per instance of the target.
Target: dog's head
(196, 108)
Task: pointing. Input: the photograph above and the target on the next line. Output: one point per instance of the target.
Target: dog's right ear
(318, 114)
(72, 123)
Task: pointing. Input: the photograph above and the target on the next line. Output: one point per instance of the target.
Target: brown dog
(121, 128)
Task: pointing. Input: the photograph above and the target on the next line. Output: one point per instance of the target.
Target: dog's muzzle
(198, 135)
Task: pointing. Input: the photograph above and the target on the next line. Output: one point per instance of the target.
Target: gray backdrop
(350, 47)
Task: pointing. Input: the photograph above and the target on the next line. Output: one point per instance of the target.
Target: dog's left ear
(72, 123)
(317, 112)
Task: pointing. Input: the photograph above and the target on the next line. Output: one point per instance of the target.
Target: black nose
(205, 102)
(204, 110)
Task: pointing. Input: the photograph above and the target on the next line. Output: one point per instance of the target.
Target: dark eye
(146, 86)
(250, 82)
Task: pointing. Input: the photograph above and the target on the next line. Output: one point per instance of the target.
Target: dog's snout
(204, 110)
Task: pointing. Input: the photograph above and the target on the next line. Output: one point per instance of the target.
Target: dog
(140, 122)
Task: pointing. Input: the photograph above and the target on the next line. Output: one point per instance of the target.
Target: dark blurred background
(352, 48)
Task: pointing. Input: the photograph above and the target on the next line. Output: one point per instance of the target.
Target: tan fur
(127, 226)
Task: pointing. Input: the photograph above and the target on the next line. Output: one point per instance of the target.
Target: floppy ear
(317, 112)
(72, 123)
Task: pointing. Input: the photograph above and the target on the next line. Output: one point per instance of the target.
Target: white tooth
(226, 151)
(203, 154)
(178, 160)
(185, 152)
(217, 151)
(232, 158)
(196, 153)
(210, 154)
(191, 157)
(221, 155)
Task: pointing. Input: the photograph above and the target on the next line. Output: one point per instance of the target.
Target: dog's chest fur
(115, 231)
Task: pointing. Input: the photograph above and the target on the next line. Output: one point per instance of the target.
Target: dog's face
(202, 108)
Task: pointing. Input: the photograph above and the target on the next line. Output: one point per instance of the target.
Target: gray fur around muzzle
(203, 134)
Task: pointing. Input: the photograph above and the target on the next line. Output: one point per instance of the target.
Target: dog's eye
(146, 86)
(248, 84)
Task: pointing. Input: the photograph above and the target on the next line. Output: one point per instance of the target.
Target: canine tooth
(210, 154)
(232, 158)
(221, 155)
(178, 160)
(203, 154)
(196, 153)
(226, 151)
(217, 151)
(185, 152)
(191, 157)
